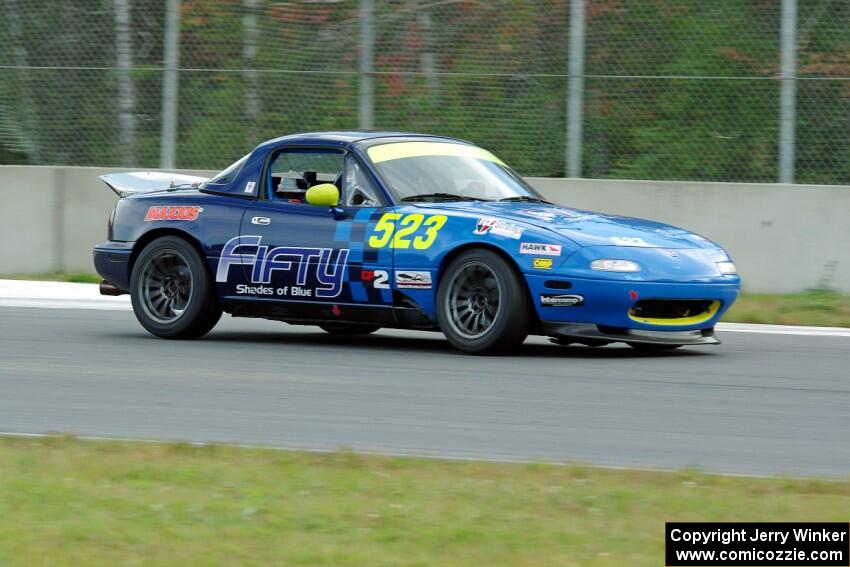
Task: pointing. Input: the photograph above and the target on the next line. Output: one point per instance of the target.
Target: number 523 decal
(398, 230)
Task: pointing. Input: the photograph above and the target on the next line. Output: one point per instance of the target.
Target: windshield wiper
(524, 199)
(439, 196)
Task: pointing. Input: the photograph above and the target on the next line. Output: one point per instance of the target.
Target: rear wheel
(348, 328)
(171, 291)
(482, 305)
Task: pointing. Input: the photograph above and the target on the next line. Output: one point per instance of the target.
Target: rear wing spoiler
(131, 183)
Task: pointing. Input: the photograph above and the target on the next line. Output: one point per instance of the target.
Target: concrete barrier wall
(50, 217)
(784, 238)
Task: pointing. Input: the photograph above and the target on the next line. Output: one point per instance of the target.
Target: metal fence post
(575, 95)
(788, 93)
(25, 104)
(367, 89)
(427, 60)
(126, 96)
(250, 35)
(171, 58)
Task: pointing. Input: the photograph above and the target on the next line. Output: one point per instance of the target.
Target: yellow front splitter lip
(680, 321)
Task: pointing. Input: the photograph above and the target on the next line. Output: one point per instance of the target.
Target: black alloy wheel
(171, 291)
(482, 305)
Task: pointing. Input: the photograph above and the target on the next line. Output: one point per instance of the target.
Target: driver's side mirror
(323, 195)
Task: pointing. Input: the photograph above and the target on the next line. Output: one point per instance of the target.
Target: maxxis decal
(176, 213)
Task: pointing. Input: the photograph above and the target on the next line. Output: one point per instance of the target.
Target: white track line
(62, 295)
(58, 295)
(784, 330)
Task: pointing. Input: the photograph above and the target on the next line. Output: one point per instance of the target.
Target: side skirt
(313, 312)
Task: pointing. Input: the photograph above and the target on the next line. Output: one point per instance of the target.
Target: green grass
(66, 502)
(820, 308)
(817, 307)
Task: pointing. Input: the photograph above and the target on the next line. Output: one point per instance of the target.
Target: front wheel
(482, 305)
(171, 291)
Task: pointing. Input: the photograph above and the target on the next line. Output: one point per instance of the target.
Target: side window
(293, 171)
(358, 189)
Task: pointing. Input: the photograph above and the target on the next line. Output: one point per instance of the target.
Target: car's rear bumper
(112, 262)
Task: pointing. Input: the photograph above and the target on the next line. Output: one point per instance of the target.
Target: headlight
(615, 266)
(727, 268)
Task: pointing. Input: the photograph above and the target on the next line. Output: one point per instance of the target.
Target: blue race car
(353, 231)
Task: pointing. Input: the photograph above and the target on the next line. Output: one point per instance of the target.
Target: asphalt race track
(758, 404)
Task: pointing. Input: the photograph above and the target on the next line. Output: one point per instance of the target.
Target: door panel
(304, 262)
(315, 266)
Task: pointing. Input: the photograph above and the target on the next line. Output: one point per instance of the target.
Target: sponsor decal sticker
(484, 225)
(628, 241)
(243, 289)
(542, 263)
(413, 280)
(490, 225)
(540, 249)
(633, 294)
(560, 300)
(178, 213)
(508, 230)
(375, 279)
(324, 266)
(249, 187)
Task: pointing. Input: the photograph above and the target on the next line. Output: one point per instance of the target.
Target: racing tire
(171, 291)
(348, 328)
(482, 305)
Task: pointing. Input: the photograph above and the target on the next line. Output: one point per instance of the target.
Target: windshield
(228, 174)
(439, 171)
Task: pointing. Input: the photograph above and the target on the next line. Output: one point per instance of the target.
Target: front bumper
(590, 333)
(607, 302)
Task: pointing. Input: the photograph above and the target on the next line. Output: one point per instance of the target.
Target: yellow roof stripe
(399, 150)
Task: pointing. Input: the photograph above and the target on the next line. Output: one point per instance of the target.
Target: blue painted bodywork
(675, 264)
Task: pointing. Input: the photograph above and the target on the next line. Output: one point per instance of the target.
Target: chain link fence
(672, 89)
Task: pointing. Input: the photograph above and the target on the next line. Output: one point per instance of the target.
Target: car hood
(586, 228)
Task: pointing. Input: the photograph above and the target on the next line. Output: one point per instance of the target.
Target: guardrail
(783, 238)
